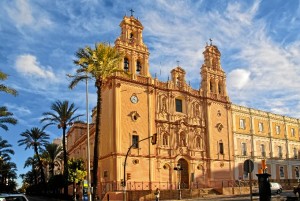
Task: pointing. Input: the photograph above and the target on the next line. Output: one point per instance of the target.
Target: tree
(63, 116)
(5, 88)
(8, 174)
(5, 150)
(7, 168)
(33, 162)
(76, 172)
(35, 138)
(52, 154)
(6, 118)
(99, 63)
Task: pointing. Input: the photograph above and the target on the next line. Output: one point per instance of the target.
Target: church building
(200, 141)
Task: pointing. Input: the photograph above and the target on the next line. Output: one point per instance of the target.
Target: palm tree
(5, 150)
(63, 116)
(52, 154)
(33, 162)
(8, 173)
(100, 63)
(5, 88)
(6, 118)
(35, 138)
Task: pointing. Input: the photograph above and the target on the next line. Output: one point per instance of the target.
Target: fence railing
(139, 186)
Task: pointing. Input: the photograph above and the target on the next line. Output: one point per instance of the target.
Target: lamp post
(153, 142)
(178, 168)
(88, 141)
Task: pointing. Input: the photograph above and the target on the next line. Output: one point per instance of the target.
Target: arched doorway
(184, 173)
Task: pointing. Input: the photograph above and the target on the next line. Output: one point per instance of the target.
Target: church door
(184, 173)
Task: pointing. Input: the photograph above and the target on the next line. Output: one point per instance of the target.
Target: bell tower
(213, 77)
(130, 42)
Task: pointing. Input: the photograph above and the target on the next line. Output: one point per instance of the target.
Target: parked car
(275, 187)
(13, 197)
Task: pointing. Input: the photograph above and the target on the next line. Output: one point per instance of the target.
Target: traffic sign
(248, 166)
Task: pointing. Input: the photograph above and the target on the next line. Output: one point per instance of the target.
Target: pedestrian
(157, 192)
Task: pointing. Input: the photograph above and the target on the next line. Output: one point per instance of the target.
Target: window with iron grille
(260, 127)
(277, 130)
(244, 149)
(279, 151)
(292, 132)
(242, 124)
(221, 148)
(262, 149)
(135, 141)
(178, 105)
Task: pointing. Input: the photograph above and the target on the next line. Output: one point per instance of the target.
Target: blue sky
(259, 42)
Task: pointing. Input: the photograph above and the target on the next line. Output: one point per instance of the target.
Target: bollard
(264, 187)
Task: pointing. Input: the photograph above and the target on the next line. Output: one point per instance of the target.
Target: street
(281, 197)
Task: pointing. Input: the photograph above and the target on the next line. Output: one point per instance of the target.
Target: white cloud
(238, 78)
(25, 14)
(28, 65)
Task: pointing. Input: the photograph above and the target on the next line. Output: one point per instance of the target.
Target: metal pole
(124, 178)
(250, 179)
(88, 142)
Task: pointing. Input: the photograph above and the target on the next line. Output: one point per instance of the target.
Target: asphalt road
(281, 197)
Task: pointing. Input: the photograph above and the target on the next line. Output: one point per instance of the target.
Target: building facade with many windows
(262, 135)
(198, 129)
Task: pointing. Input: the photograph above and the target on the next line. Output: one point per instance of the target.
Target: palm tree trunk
(40, 164)
(97, 139)
(66, 173)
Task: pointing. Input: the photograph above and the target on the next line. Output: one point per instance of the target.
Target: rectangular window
(297, 171)
(135, 141)
(281, 171)
(242, 124)
(263, 151)
(244, 149)
(178, 105)
(295, 153)
(260, 127)
(279, 151)
(105, 173)
(292, 132)
(221, 148)
(277, 130)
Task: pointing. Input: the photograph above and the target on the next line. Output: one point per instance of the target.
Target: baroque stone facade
(197, 128)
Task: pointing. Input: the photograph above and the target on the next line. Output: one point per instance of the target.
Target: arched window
(198, 142)
(178, 83)
(211, 86)
(220, 88)
(138, 66)
(126, 64)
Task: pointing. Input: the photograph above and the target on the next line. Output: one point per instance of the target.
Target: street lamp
(88, 141)
(178, 168)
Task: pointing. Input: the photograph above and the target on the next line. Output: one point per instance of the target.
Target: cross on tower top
(177, 63)
(132, 11)
(210, 41)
